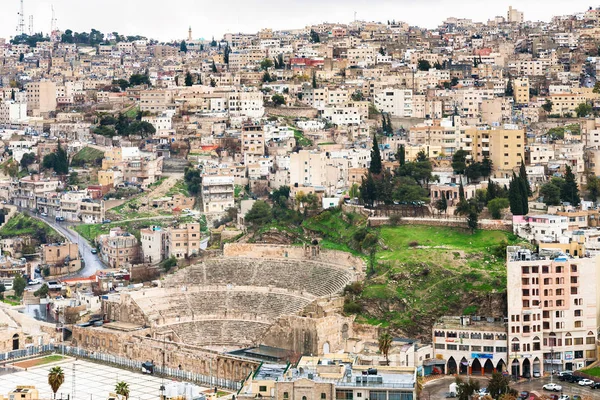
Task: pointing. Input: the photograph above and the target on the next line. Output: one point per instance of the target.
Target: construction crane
(21, 23)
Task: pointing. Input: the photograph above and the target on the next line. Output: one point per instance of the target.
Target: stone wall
(315, 253)
(296, 112)
(141, 346)
(488, 225)
(125, 310)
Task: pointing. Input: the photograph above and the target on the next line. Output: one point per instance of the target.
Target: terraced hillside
(418, 273)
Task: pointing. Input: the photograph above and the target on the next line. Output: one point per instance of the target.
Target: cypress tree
(375, 167)
(401, 155)
(570, 190)
(523, 176)
(514, 196)
(461, 192)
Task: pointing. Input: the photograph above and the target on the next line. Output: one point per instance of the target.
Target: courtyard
(92, 381)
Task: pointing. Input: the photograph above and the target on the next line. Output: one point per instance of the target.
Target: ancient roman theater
(281, 296)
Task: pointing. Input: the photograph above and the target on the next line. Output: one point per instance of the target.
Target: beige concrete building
(61, 258)
(253, 143)
(521, 90)
(470, 345)
(183, 241)
(553, 315)
(118, 248)
(41, 97)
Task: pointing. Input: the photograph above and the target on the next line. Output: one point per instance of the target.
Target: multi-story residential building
(153, 242)
(541, 228)
(27, 190)
(253, 143)
(79, 207)
(118, 248)
(12, 112)
(61, 256)
(183, 241)
(471, 345)
(521, 90)
(41, 97)
(218, 193)
(553, 314)
(398, 102)
(156, 101)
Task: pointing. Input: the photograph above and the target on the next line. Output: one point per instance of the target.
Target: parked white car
(552, 387)
(586, 382)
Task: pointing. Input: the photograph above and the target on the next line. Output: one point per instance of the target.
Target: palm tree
(56, 377)
(122, 388)
(385, 343)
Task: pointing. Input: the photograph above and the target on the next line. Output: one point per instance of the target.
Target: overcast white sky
(167, 20)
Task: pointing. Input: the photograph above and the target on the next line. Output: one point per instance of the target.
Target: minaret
(190, 34)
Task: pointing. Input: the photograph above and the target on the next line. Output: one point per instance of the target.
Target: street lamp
(161, 390)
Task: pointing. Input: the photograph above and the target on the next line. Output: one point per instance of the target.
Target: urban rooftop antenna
(21, 24)
(31, 25)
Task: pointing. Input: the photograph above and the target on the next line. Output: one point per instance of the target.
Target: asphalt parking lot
(437, 389)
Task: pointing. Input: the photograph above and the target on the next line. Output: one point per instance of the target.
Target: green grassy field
(88, 155)
(91, 231)
(23, 225)
(420, 272)
(179, 188)
(592, 371)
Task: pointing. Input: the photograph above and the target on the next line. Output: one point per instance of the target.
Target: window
(262, 388)
(501, 349)
(579, 354)
(488, 349)
(578, 324)
(451, 347)
(323, 395)
(578, 341)
(440, 346)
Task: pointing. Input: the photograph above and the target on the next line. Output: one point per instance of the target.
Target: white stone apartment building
(12, 112)
(397, 102)
(542, 228)
(217, 193)
(470, 345)
(253, 143)
(553, 315)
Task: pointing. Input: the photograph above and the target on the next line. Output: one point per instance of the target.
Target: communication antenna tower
(21, 24)
(53, 21)
(31, 25)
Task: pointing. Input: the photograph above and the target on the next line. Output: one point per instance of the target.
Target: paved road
(92, 262)
(437, 389)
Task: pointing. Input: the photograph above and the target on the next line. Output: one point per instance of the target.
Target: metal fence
(27, 352)
(187, 376)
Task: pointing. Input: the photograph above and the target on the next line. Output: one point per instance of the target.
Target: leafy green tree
(58, 161)
(314, 37)
(278, 100)
(27, 160)
(496, 206)
(459, 161)
(281, 196)
(385, 344)
(547, 106)
(193, 180)
(266, 63)
(183, 47)
(19, 285)
(357, 96)
(442, 204)
(407, 190)
(498, 384)
(354, 191)
(139, 79)
(122, 389)
(592, 187)
(570, 191)
(423, 65)
(259, 215)
(596, 87)
(466, 388)
(551, 194)
(368, 189)
(67, 37)
(376, 166)
(169, 263)
(56, 377)
(122, 83)
(583, 110)
(42, 291)
(189, 79)
(213, 83)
